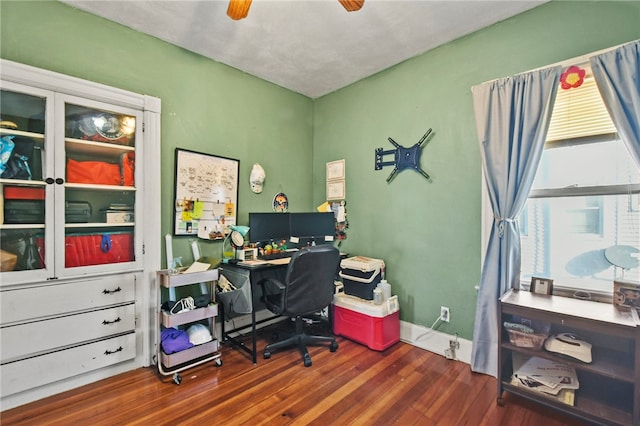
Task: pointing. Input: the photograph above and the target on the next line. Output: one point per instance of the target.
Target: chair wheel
(177, 378)
(333, 347)
(307, 360)
(266, 355)
(218, 362)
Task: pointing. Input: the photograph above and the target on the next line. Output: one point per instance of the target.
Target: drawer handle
(105, 322)
(108, 352)
(105, 291)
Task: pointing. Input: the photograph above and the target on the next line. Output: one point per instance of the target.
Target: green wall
(206, 106)
(427, 233)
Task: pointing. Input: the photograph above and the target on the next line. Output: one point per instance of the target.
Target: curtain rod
(578, 60)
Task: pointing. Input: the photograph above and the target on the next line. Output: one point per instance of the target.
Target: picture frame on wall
(335, 190)
(335, 170)
(206, 194)
(626, 294)
(541, 285)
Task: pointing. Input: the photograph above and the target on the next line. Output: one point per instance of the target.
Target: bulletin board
(206, 194)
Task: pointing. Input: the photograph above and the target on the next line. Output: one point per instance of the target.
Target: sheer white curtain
(617, 74)
(512, 119)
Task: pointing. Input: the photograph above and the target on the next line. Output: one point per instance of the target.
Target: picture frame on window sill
(541, 285)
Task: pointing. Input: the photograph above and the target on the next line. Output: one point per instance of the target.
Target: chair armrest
(273, 294)
(271, 286)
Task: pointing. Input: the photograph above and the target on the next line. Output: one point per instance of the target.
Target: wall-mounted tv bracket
(405, 158)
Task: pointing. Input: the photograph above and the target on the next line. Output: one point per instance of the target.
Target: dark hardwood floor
(402, 385)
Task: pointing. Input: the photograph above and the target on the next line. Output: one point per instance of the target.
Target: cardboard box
(360, 275)
(118, 216)
(7, 261)
(375, 326)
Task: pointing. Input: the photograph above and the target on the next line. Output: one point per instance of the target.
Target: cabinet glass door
(101, 179)
(25, 214)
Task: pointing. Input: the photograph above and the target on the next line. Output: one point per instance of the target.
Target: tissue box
(375, 326)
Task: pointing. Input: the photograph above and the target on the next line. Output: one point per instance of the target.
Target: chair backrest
(310, 279)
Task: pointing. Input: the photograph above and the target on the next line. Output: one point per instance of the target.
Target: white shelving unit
(173, 364)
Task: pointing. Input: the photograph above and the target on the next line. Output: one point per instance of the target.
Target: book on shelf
(549, 378)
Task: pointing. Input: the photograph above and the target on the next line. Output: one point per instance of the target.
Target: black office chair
(308, 288)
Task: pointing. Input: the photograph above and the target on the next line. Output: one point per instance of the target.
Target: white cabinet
(75, 205)
(79, 230)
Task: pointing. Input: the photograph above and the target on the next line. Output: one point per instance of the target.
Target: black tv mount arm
(405, 158)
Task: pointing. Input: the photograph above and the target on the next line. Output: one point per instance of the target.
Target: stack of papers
(551, 378)
(197, 267)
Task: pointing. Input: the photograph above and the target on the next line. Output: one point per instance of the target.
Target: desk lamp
(235, 239)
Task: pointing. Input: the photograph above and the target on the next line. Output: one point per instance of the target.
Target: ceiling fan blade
(238, 9)
(352, 5)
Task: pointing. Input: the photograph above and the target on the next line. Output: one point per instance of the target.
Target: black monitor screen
(268, 226)
(306, 225)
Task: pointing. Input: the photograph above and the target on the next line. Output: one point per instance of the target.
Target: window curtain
(617, 74)
(512, 119)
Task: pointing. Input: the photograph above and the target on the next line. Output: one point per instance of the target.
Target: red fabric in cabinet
(98, 249)
(23, 193)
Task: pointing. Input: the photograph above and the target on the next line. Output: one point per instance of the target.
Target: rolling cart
(173, 364)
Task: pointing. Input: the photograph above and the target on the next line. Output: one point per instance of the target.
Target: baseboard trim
(434, 341)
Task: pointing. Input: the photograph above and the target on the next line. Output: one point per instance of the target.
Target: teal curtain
(512, 119)
(617, 74)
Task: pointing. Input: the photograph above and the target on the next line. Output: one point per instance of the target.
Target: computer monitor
(312, 225)
(268, 226)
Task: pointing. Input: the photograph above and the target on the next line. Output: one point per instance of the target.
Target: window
(582, 218)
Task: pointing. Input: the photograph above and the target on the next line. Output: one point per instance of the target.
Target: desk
(255, 271)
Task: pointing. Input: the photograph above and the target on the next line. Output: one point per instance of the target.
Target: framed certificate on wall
(335, 170)
(335, 190)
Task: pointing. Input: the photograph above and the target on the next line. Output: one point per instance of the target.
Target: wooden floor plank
(402, 385)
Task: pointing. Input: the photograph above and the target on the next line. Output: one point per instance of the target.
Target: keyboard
(280, 255)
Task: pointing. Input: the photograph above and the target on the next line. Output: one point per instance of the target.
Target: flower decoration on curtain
(572, 77)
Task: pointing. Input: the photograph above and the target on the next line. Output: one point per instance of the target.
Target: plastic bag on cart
(236, 300)
(174, 340)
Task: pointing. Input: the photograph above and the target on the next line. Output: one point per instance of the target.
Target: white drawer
(39, 336)
(58, 298)
(37, 371)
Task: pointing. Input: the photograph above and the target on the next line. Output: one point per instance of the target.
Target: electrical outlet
(444, 313)
(454, 344)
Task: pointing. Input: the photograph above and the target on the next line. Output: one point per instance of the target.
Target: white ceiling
(312, 47)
